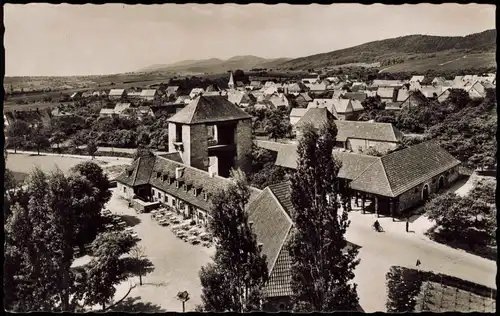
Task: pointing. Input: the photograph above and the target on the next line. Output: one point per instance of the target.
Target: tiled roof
(148, 93)
(367, 130)
(271, 224)
(173, 156)
(145, 169)
(317, 117)
(428, 91)
(282, 192)
(353, 164)
(306, 97)
(298, 112)
(417, 78)
(387, 83)
(403, 94)
(280, 278)
(360, 96)
(334, 105)
(278, 101)
(386, 93)
(287, 156)
(237, 97)
(172, 89)
(402, 170)
(209, 109)
(357, 106)
(119, 107)
(116, 92)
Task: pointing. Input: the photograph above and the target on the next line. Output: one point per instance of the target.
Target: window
(177, 184)
(158, 174)
(178, 132)
(165, 177)
(159, 195)
(185, 187)
(124, 189)
(205, 196)
(174, 202)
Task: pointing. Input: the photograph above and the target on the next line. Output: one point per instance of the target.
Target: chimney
(260, 246)
(250, 223)
(178, 172)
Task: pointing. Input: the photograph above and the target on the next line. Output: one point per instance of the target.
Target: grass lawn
(19, 177)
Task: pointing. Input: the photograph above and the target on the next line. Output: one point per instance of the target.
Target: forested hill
(400, 49)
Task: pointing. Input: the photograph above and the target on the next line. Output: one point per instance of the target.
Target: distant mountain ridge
(214, 65)
(399, 49)
(419, 52)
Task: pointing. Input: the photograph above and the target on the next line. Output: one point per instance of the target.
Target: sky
(59, 40)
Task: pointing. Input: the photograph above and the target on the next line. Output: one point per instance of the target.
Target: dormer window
(165, 177)
(185, 187)
(177, 184)
(158, 174)
(129, 173)
(205, 196)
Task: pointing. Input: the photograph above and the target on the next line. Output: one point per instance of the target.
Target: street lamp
(183, 297)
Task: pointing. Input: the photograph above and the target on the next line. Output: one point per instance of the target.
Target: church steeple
(231, 81)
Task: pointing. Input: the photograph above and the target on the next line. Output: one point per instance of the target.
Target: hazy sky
(45, 39)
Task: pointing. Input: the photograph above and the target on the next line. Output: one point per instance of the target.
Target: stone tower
(212, 130)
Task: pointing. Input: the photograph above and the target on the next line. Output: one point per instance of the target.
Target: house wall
(125, 191)
(413, 197)
(361, 145)
(294, 119)
(199, 215)
(243, 139)
(171, 137)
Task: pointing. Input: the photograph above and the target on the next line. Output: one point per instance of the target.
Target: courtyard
(176, 263)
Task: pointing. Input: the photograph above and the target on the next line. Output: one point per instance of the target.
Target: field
(445, 63)
(10, 106)
(437, 298)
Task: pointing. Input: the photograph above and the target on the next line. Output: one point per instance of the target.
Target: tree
(92, 148)
(143, 152)
(264, 171)
(98, 179)
(277, 124)
(403, 288)
(17, 133)
(139, 264)
(372, 151)
(322, 263)
(461, 219)
(233, 282)
(107, 269)
(57, 138)
(484, 190)
(39, 138)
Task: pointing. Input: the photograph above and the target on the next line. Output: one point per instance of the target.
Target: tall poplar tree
(233, 282)
(322, 264)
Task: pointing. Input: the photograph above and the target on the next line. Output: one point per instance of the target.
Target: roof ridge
(386, 177)
(137, 169)
(375, 161)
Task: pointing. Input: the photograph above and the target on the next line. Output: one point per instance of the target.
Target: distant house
(166, 110)
(196, 92)
(342, 109)
(239, 98)
(150, 94)
(183, 99)
(360, 96)
(387, 94)
(58, 112)
(357, 86)
(295, 88)
(317, 117)
(478, 89)
(117, 110)
(416, 79)
(387, 83)
(439, 81)
(172, 91)
(32, 117)
(133, 95)
(317, 87)
(264, 104)
(255, 84)
(116, 94)
(310, 80)
(414, 99)
(279, 101)
(303, 99)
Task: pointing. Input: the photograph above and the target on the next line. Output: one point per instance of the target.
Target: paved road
(396, 247)
(176, 262)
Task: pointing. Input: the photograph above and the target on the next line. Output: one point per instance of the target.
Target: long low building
(395, 182)
(167, 180)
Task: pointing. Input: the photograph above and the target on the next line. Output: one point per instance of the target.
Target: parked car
(205, 237)
(181, 234)
(164, 222)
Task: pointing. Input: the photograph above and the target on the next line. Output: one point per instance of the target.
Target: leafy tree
(234, 280)
(139, 264)
(278, 125)
(322, 268)
(39, 138)
(461, 219)
(264, 171)
(92, 148)
(106, 270)
(17, 133)
(403, 288)
(484, 190)
(143, 152)
(372, 151)
(57, 138)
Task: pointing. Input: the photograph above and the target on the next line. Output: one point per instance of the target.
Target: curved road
(380, 251)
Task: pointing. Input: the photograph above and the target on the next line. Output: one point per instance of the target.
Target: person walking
(418, 263)
(407, 223)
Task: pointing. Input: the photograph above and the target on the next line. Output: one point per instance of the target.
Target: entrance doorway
(425, 193)
(441, 183)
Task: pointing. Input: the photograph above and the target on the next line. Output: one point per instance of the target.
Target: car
(205, 237)
(129, 229)
(181, 234)
(164, 222)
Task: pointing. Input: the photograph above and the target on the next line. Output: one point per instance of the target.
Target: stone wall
(125, 191)
(243, 139)
(413, 197)
(198, 146)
